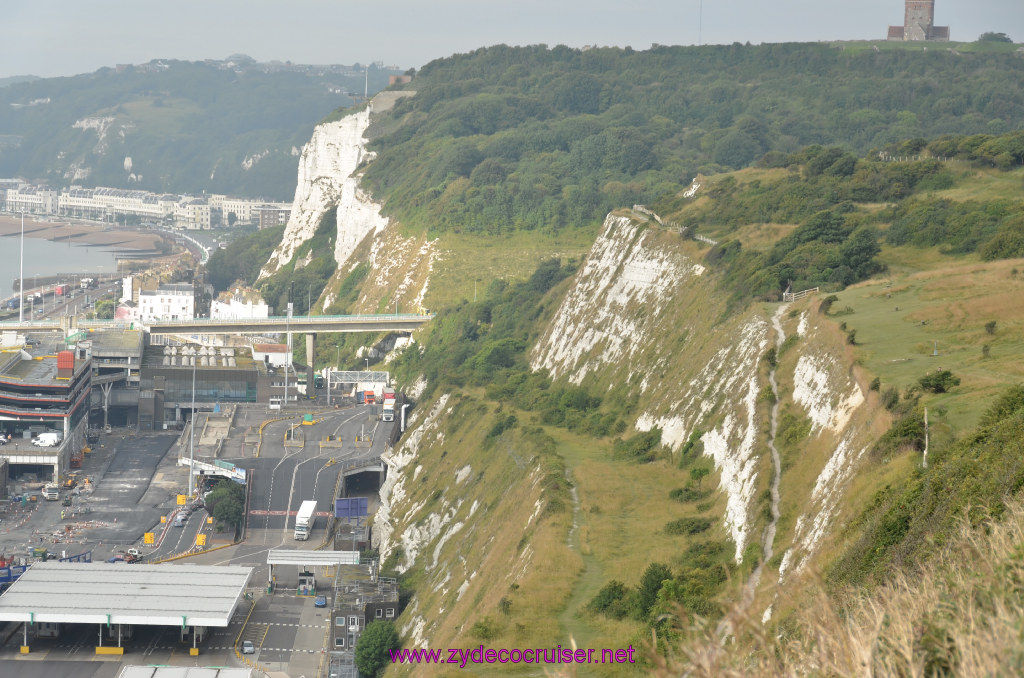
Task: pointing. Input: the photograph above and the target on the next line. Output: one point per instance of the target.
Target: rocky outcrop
(614, 307)
(328, 180)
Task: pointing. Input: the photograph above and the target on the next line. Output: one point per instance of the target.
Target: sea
(45, 258)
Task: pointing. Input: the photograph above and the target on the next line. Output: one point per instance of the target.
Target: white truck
(388, 409)
(304, 519)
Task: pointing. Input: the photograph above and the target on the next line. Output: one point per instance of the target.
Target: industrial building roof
(184, 672)
(116, 341)
(117, 593)
(310, 558)
(38, 363)
(270, 348)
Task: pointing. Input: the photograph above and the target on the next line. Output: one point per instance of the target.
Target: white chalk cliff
(328, 180)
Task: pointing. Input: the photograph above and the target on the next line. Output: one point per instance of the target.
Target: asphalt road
(284, 477)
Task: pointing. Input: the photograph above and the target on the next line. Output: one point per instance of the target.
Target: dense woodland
(535, 138)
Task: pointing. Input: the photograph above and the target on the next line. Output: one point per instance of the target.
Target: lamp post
(337, 363)
(21, 279)
(288, 355)
(192, 431)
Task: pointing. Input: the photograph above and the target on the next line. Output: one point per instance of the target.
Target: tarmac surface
(136, 481)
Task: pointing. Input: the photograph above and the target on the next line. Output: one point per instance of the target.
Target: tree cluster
(226, 503)
(523, 138)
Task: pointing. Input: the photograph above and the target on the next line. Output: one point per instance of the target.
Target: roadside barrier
(238, 639)
(189, 554)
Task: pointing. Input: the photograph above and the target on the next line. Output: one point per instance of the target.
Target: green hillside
(581, 502)
(535, 138)
(652, 553)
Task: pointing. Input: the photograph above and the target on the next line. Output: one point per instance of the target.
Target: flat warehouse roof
(310, 558)
(183, 672)
(118, 593)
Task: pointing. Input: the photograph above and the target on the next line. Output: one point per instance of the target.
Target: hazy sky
(65, 37)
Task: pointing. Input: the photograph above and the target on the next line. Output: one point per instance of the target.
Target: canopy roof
(118, 593)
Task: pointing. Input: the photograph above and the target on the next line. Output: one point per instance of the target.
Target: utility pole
(192, 431)
(288, 356)
(21, 279)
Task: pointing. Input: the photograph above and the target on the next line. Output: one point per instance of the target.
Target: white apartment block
(102, 203)
(105, 203)
(246, 211)
(31, 199)
(192, 214)
(168, 302)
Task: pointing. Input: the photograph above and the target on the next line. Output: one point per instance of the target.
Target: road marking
(261, 512)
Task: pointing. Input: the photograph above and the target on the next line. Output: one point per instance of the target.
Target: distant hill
(234, 126)
(15, 79)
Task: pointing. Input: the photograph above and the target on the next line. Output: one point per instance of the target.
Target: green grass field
(918, 321)
(469, 263)
(985, 185)
(170, 116)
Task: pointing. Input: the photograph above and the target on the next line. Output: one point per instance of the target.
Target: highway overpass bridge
(393, 322)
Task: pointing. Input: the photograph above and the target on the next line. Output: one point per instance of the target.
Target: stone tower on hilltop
(919, 23)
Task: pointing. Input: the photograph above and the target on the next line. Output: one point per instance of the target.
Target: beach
(79, 233)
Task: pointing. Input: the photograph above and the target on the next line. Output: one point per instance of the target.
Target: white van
(48, 439)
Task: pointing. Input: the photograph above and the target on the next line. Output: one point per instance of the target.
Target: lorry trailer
(304, 519)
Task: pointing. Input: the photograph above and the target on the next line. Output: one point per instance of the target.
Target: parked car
(321, 601)
(248, 647)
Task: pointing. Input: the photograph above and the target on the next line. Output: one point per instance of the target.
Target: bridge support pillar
(106, 402)
(310, 359)
(69, 325)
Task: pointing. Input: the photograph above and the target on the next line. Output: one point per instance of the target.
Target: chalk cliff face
(642, 318)
(642, 321)
(327, 180)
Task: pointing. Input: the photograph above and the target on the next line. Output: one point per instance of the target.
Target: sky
(49, 38)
